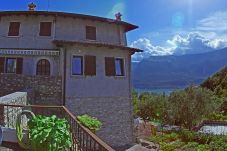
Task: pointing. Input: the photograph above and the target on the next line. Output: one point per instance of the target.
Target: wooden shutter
(19, 68)
(110, 66)
(90, 65)
(45, 29)
(14, 28)
(2, 64)
(90, 32)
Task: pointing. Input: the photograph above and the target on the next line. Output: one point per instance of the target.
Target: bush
(202, 147)
(49, 133)
(190, 145)
(91, 123)
(172, 146)
(217, 116)
(187, 107)
(164, 138)
(151, 106)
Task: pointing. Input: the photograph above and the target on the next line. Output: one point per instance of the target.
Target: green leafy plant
(49, 133)
(91, 123)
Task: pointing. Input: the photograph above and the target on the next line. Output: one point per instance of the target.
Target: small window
(11, 65)
(114, 66)
(45, 28)
(14, 29)
(43, 67)
(90, 32)
(119, 67)
(77, 65)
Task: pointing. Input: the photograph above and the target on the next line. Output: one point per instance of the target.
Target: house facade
(75, 60)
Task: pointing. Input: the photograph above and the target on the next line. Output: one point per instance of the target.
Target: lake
(167, 91)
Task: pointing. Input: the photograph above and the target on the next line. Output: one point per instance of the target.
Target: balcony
(82, 138)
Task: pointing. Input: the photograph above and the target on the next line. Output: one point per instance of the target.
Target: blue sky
(166, 26)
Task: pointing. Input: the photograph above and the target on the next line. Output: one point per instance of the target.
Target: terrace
(82, 138)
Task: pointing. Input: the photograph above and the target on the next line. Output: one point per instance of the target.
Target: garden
(185, 109)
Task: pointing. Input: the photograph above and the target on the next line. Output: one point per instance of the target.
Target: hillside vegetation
(217, 83)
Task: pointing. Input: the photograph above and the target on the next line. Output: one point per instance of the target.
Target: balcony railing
(83, 139)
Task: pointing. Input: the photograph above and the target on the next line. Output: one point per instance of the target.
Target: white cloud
(193, 43)
(215, 22)
(118, 7)
(209, 34)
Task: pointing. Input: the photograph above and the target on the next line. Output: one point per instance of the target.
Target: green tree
(188, 107)
(151, 106)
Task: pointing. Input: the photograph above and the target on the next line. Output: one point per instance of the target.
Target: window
(45, 28)
(14, 29)
(90, 32)
(11, 65)
(119, 67)
(43, 67)
(77, 65)
(114, 66)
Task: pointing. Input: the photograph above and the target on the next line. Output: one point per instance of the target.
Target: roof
(98, 44)
(128, 26)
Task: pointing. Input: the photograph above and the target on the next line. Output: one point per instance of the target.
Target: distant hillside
(217, 83)
(177, 71)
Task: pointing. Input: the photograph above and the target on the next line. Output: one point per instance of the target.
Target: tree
(151, 106)
(189, 106)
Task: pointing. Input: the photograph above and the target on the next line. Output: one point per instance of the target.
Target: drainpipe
(63, 73)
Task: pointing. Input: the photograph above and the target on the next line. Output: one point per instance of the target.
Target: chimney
(31, 7)
(118, 16)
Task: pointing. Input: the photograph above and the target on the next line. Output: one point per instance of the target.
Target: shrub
(151, 106)
(164, 138)
(187, 107)
(172, 146)
(202, 147)
(217, 116)
(91, 123)
(49, 133)
(190, 145)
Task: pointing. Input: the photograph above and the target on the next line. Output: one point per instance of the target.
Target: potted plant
(89, 122)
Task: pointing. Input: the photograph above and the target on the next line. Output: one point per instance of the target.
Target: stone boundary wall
(115, 113)
(42, 90)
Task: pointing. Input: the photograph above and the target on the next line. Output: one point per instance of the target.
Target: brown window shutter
(19, 68)
(2, 64)
(109, 66)
(14, 29)
(90, 32)
(90, 65)
(45, 29)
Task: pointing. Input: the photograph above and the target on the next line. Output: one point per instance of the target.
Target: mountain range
(177, 71)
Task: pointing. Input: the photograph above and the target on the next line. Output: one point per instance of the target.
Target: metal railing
(83, 138)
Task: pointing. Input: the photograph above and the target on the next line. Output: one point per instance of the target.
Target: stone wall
(41, 89)
(115, 113)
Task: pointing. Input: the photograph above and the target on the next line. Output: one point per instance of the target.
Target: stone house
(75, 60)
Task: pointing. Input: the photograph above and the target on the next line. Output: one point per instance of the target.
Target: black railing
(83, 138)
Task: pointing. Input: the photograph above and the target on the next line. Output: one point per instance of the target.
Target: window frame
(9, 27)
(86, 35)
(51, 28)
(123, 66)
(6, 65)
(45, 67)
(82, 65)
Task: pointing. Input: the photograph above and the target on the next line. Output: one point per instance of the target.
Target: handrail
(83, 138)
(99, 141)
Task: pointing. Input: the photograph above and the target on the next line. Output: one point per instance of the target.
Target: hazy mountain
(177, 71)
